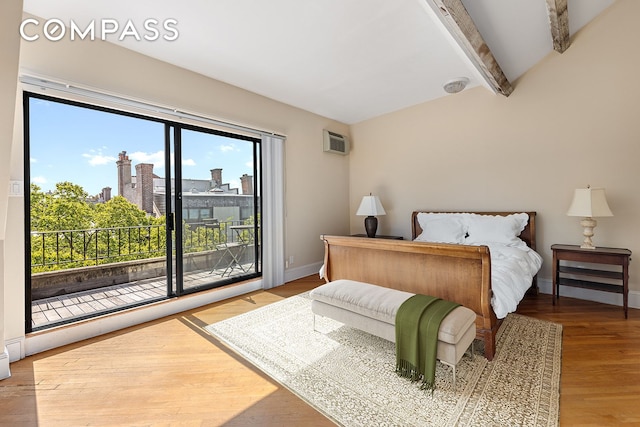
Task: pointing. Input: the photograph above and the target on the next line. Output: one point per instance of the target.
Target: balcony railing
(56, 250)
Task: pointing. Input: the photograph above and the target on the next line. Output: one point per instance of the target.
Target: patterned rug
(348, 375)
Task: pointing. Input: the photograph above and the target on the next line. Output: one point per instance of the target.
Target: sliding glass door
(125, 209)
(217, 207)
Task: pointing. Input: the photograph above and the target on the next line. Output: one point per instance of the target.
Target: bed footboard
(453, 272)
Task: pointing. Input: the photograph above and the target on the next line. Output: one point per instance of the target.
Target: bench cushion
(363, 298)
(382, 304)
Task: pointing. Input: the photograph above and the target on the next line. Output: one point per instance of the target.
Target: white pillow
(441, 228)
(495, 229)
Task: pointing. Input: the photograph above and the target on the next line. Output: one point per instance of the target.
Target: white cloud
(99, 159)
(188, 162)
(33, 160)
(228, 147)
(96, 158)
(38, 180)
(156, 158)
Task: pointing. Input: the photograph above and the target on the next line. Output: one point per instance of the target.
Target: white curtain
(272, 211)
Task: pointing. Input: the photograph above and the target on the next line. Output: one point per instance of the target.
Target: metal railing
(56, 250)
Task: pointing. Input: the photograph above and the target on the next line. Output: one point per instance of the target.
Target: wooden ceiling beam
(559, 23)
(459, 23)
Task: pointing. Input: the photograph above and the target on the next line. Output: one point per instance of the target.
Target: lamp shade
(370, 206)
(589, 203)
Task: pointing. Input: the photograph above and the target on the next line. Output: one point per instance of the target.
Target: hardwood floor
(170, 372)
(600, 382)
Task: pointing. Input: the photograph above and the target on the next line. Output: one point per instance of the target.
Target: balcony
(83, 273)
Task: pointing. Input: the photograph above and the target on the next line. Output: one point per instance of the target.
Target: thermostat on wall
(16, 188)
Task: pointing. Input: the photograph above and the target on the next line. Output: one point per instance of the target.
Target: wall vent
(335, 143)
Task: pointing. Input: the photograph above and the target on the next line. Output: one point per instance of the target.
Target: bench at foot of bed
(373, 309)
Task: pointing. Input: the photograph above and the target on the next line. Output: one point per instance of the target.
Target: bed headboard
(528, 235)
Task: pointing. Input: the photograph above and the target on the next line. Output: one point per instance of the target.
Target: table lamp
(588, 203)
(369, 207)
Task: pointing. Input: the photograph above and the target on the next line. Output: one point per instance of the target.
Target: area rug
(348, 375)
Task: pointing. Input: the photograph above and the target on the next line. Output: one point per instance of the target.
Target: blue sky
(81, 145)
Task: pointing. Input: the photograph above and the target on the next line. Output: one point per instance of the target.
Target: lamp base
(371, 225)
(588, 224)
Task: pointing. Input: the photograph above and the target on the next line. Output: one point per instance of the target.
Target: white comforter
(512, 269)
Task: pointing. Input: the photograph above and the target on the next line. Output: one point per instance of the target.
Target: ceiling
(349, 60)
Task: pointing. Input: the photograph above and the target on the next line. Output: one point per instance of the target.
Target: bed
(460, 256)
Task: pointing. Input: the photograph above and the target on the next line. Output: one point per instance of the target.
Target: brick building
(201, 199)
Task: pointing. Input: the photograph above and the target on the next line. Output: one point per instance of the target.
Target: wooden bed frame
(457, 273)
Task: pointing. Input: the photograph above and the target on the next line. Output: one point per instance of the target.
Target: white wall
(572, 121)
(9, 51)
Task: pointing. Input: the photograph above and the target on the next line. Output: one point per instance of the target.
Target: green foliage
(65, 208)
(119, 212)
(67, 230)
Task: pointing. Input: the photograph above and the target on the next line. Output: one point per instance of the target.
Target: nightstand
(591, 276)
(379, 236)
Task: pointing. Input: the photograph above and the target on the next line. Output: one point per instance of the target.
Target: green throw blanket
(417, 325)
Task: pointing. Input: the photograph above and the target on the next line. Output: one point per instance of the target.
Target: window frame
(176, 125)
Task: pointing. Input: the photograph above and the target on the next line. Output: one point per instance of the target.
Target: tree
(119, 212)
(39, 202)
(69, 231)
(65, 208)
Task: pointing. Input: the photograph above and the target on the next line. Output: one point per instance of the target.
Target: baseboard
(591, 295)
(5, 372)
(302, 271)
